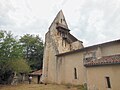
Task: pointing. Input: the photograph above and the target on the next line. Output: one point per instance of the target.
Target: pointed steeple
(60, 19)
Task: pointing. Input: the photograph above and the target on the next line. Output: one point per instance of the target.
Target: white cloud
(92, 21)
(99, 21)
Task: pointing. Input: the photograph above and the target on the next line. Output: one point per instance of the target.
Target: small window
(65, 43)
(108, 82)
(62, 42)
(75, 73)
(61, 20)
(56, 23)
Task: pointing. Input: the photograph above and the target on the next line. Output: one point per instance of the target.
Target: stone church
(67, 61)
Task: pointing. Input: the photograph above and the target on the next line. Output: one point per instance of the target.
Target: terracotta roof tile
(105, 60)
(38, 72)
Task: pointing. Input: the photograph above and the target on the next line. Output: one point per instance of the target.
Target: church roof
(59, 25)
(89, 47)
(72, 38)
(35, 73)
(105, 60)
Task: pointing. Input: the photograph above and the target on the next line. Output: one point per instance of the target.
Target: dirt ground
(38, 87)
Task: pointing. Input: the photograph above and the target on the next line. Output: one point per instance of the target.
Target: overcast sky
(91, 21)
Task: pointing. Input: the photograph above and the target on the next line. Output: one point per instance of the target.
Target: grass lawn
(37, 87)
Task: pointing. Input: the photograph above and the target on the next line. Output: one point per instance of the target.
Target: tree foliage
(11, 56)
(19, 55)
(33, 50)
(10, 48)
(19, 66)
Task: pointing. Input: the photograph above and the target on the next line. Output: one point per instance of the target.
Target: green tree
(19, 66)
(33, 50)
(11, 57)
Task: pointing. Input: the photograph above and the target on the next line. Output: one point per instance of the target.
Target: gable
(59, 19)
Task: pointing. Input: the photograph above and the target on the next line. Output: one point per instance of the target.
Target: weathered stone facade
(67, 61)
(57, 40)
